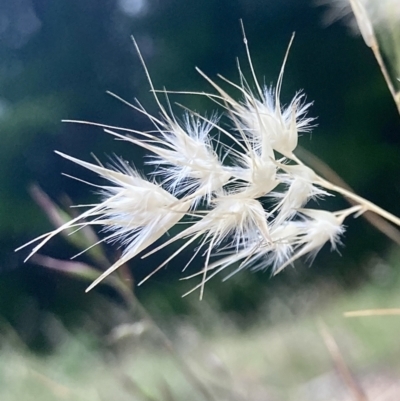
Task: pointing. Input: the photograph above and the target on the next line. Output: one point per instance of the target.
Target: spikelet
(134, 212)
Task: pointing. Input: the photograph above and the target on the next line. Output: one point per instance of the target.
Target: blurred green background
(253, 337)
(58, 59)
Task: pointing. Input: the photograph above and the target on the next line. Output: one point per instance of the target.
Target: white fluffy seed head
(185, 158)
(300, 185)
(272, 127)
(258, 174)
(136, 212)
(317, 227)
(234, 218)
(289, 241)
(321, 226)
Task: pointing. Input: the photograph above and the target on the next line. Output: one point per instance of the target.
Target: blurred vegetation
(283, 355)
(57, 59)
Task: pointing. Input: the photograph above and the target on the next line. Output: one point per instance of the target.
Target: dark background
(57, 60)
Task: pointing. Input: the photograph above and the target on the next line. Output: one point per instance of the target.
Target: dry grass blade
(166, 391)
(59, 390)
(367, 31)
(396, 95)
(340, 364)
(57, 216)
(134, 389)
(373, 312)
(180, 361)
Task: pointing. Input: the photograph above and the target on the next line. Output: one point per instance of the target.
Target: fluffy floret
(134, 212)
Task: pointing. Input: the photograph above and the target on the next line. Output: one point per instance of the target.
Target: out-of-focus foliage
(57, 59)
(280, 356)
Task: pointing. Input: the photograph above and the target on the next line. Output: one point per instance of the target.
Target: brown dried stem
(341, 365)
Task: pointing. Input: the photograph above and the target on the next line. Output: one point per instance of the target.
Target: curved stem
(364, 202)
(351, 195)
(380, 223)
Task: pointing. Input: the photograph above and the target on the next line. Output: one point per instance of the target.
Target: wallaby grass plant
(240, 189)
(219, 187)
